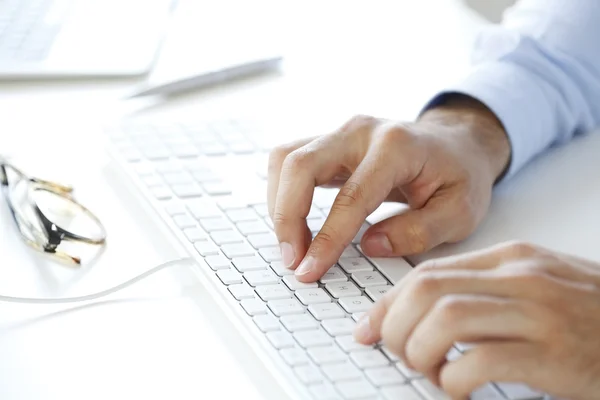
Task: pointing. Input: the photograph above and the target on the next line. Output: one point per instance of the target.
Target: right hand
(443, 166)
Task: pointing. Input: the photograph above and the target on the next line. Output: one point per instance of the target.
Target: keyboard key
(194, 234)
(267, 323)
(229, 276)
(342, 289)
(294, 356)
(177, 178)
(161, 192)
(334, 274)
(312, 296)
(517, 391)
(285, 307)
(241, 215)
(312, 338)
(263, 240)
(316, 224)
(360, 233)
(152, 180)
(215, 224)
(487, 392)
(231, 203)
(251, 263)
(309, 374)
(339, 326)
(280, 269)
(261, 209)
(356, 304)
(324, 392)
(281, 339)
(173, 208)
(369, 359)
(326, 354)
(407, 372)
(184, 221)
(394, 269)
(291, 282)
(429, 390)
(252, 227)
(351, 265)
(237, 250)
(270, 253)
(324, 197)
(254, 306)
(357, 316)
(218, 262)
(397, 392)
(213, 149)
(368, 278)
(226, 237)
(341, 371)
(264, 277)
(348, 344)
(325, 311)
(202, 209)
(388, 353)
(216, 188)
(205, 176)
(273, 292)
(187, 190)
(350, 252)
(356, 389)
(183, 151)
(299, 322)
(315, 213)
(241, 292)
(206, 248)
(377, 292)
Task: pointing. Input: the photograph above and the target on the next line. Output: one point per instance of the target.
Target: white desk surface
(150, 341)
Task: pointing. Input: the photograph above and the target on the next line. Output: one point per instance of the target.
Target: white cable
(97, 295)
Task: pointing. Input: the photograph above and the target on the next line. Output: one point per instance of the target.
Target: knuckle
(519, 249)
(394, 134)
(415, 355)
(279, 219)
(278, 155)
(418, 238)
(350, 196)
(298, 159)
(360, 121)
(326, 240)
(389, 336)
(423, 286)
(451, 308)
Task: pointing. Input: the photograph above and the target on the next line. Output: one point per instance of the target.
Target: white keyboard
(178, 169)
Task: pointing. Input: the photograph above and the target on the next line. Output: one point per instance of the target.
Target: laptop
(204, 185)
(80, 38)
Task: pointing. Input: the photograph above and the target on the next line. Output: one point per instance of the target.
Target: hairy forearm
(479, 123)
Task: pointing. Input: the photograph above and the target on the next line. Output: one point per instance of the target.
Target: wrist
(479, 124)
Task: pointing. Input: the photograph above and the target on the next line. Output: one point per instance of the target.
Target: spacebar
(392, 268)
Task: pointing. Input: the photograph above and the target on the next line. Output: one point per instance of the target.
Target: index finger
(364, 191)
(309, 166)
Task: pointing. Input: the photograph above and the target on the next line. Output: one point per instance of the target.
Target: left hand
(533, 315)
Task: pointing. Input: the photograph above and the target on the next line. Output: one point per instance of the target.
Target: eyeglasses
(47, 215)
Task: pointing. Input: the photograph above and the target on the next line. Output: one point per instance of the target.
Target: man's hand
(533, 316)
(443, 166)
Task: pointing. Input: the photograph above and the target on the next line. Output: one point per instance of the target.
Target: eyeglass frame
(53, 234)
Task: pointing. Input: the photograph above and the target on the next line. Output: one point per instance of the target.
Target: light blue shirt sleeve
(539, 72)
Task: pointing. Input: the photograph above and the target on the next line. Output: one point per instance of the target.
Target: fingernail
(305, 266)
(363, 331)
(287, 254)
(378, 244)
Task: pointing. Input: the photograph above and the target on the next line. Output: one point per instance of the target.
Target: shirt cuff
(518, 99)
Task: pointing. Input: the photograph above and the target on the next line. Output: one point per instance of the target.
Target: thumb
(415, 231)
